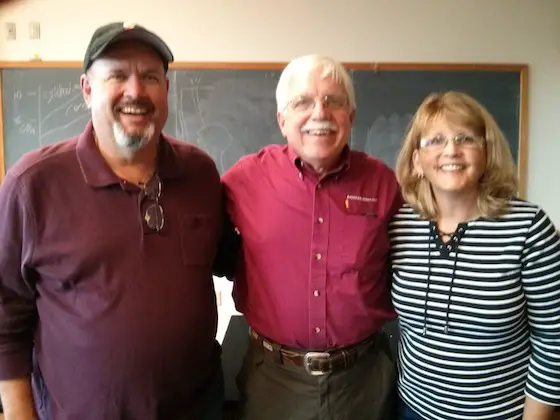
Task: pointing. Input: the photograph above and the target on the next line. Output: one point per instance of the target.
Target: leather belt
(317, 363)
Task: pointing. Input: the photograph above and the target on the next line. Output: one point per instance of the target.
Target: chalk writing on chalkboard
(45, 111)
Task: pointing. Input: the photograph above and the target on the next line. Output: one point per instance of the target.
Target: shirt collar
(97, 172)
(301, 166)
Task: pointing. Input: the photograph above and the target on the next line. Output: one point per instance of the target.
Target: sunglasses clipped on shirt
(153, 214)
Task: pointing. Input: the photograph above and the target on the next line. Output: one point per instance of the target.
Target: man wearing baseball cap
(110, 34)
(107, 243)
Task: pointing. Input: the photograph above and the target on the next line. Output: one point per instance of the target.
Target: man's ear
(281, 122)
(86, 89)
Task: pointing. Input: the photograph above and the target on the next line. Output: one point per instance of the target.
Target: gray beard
(129, 144)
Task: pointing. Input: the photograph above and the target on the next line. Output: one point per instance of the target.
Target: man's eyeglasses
(464, 141)
(153, 215)
(306, 103)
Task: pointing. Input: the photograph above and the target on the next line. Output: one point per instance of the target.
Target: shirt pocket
(199, 238)
(362, 235)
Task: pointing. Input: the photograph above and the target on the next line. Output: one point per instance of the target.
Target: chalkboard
(231, 112)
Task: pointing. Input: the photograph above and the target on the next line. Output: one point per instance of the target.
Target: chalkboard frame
(522, 69)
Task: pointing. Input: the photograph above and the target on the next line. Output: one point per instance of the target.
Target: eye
(335, 101)
(118, 77)
(151, 77)
(470, 141)
(465, 140)
(301, 103)
(434, 142)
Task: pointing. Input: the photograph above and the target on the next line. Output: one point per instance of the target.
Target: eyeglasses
(153, 215)
(306, 103)
(463, 141)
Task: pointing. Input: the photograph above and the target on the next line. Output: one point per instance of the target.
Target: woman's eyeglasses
(464, 141)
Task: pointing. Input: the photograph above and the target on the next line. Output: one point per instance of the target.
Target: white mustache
(320, 125)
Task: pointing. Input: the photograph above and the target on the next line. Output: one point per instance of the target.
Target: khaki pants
(271, 390)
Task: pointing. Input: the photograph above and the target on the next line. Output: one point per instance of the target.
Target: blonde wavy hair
(499, 183)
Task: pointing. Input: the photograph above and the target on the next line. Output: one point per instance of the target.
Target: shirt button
(317, 330)
(320, 220)
(318, 256)
(300, 175)
(319, 186)
(316, 293)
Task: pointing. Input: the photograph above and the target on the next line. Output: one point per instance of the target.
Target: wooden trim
(182, 65)
(2, 162)
(37, 64)
(435, 66)
(523, 150)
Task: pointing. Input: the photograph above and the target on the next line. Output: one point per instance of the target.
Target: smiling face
(451, 157)
(317, 121)
(126, 89)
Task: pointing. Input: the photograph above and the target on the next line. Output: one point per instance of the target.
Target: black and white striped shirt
(479, 315)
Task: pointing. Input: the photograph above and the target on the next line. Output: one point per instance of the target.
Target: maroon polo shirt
(314, 266)
(123, 318)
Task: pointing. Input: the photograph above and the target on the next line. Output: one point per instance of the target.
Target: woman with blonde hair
(476, 274)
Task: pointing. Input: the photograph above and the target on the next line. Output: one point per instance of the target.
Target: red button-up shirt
(314, 266)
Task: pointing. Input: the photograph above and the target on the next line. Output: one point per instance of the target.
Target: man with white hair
(313, 278)
(107, 243)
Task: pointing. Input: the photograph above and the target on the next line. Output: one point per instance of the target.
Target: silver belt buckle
(310, 357)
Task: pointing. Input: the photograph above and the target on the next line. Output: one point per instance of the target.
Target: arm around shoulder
(229, 248)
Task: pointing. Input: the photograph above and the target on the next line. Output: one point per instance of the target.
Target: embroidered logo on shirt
(359, 198)
(358, 204)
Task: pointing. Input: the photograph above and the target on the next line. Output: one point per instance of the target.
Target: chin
(134, 133)
(456, 189)
(321, 151)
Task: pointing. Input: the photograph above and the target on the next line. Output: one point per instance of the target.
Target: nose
(134, 86)
(319, 110)
(450, 148)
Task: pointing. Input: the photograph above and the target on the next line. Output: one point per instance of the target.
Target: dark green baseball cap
(108, 34)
